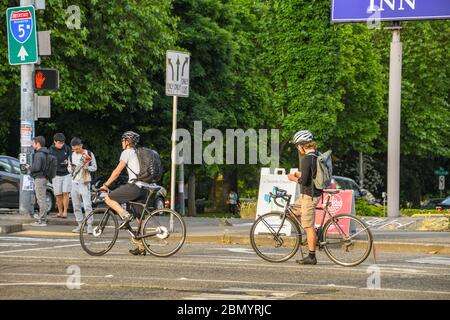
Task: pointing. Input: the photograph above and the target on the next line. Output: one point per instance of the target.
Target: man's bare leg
(59, 204)
(65, 203)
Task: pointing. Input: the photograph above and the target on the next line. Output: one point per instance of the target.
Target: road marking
(28, 239)
(237, 250)
(15, 245)
(225, 264)
(47, 233)
(14, 284)
(432, 260)
(218, 296)
(36, 249)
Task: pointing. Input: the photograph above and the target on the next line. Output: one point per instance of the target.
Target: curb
(6, 228)
(425, 248)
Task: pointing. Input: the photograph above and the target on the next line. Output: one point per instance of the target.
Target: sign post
(441, 184)
(344, 11)
(442, 173)
(23, 51)
(177, 85)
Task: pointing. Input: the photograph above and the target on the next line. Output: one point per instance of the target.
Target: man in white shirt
(132, 190)
(81, 164)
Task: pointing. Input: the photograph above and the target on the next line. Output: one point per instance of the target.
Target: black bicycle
(162, 231)
(277, 236)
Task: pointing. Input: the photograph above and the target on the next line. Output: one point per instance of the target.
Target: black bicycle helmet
(131, 136)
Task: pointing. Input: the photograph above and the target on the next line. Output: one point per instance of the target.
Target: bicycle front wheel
(275, 240)
(104, 232)
(347, 240)
(163, 232)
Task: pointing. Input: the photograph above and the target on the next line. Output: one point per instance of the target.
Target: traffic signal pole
(26, 119)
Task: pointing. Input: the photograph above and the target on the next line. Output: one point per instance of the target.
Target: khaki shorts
(307, 210)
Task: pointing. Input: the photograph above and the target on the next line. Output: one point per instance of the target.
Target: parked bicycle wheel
(163, 232)
(347, 240)
(273, 240)
(104, 233)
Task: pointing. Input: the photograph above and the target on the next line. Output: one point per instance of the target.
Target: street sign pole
(177, 85)
(395, 87)
(173, 170)
(27, 119)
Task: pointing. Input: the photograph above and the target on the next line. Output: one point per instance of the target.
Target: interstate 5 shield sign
(22, 36)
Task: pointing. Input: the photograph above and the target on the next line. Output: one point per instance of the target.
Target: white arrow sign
(177, 73)
(22, 53)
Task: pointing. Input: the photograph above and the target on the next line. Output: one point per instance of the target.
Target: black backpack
(51, 164)
(150, 170)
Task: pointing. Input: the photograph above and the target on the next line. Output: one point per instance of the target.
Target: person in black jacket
(62, 182)
(40, 181)
(309, 195)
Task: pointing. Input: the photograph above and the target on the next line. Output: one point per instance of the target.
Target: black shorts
(128, 192)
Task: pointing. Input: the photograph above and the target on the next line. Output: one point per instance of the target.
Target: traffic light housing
(46, 79)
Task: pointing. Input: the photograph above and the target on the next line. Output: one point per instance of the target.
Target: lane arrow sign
(22, 53)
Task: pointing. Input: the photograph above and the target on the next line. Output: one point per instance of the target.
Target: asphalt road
(45, 267)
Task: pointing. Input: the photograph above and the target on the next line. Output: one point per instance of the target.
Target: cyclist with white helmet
(132, 190)
(309, 196)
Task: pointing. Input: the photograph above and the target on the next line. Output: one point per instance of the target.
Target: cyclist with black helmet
(132, 190)
(310, 196)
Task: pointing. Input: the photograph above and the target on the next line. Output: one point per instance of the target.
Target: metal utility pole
(27, 121)
(361, 170)
(173, 170)
(395, 89)
(181, 190)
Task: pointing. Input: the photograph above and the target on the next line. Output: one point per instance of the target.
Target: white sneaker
(90, 229)
(76, 230)
(38, 224)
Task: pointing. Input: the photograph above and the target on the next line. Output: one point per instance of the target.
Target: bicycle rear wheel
(163, 232)
(347, 240)
(104, 235)
(274, 240)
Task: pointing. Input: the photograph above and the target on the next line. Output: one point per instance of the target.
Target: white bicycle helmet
(303, 137)
(131, 136)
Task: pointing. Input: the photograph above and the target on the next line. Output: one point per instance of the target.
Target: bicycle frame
(145, 211)
(289, 211)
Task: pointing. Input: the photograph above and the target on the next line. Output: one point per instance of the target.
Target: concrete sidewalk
(236, 231)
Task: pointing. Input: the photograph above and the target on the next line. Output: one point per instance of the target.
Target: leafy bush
(364, 209)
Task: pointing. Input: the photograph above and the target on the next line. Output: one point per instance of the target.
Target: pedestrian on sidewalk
(309, 195)
(37, 171)
(81, 163)
(233, 202)
(62, 183)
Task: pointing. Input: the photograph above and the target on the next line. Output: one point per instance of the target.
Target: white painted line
(432, 260)
(237, 250)
(35, 284)
(15, 244)
(37, 249)
(229, 264)
(12, 274)
(29, 239)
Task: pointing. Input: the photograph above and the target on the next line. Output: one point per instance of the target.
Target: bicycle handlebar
(280, 193)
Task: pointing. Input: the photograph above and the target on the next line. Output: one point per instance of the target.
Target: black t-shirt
(61, 155)
(309, 170)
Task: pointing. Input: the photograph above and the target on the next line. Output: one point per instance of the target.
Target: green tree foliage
(255, 64)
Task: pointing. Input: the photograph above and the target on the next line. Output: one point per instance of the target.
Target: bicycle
(163, 231)
(277, 236)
